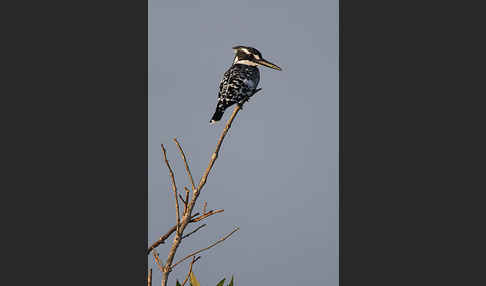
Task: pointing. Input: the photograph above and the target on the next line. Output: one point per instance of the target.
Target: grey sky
(277, 174)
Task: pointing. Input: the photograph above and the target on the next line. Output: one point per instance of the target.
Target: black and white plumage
(240, 80)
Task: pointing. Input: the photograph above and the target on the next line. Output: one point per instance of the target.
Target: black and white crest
(240, 80)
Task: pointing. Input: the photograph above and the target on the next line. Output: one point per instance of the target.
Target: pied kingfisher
(240, 80)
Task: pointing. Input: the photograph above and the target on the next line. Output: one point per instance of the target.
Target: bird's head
(252, 57)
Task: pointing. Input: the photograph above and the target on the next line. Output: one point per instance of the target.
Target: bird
(240, 81)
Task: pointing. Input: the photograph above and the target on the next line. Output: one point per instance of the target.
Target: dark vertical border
(77, 128)
(411, 158)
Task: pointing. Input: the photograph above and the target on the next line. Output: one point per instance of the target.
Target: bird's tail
(217, 115)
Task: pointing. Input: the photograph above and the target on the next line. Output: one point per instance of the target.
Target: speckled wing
(238, 83)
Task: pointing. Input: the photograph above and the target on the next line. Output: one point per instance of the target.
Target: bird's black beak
(266, 63)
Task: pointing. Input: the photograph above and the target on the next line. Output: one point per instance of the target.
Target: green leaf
(231, 282)
(221, 283)
(194, 280)
(177, 283)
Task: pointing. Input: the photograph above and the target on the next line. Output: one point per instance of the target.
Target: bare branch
(190, 269)
(182, 200)
(149, 278)
(174, 187)
(162, 239)
(202, 182)
(194, 219)
(177, 241)
(205, 206)
(201, 250)
(209, 213)
(190, 205)
(185, 164)
(157, 260)
(178, 218)
(187, 198)
(198, 228)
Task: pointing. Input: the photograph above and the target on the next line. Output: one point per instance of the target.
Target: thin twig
(205, 206)
(157, 260)
(209, 213)
(201, 250)
(194, 219)
(185, 203)
(174, 187)
(178, 239)
(202, 182)
(162, 239)
(186, 164)
(190, 269)
(187, 198)
(198, 228)
(149, 278)
(178, 218)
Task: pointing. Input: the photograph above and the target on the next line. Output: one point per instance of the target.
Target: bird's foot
(241, 102)
(256, 90)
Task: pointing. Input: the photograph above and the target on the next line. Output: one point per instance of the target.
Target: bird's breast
(250, 83)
